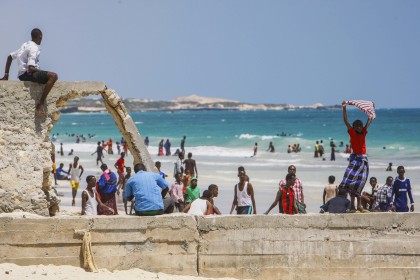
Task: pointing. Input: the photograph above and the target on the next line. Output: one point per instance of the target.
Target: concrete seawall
(366, 246)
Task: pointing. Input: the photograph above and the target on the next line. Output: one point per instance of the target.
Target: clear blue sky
(297, 52)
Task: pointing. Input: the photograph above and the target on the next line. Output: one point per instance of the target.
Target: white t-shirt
(27, 55)
(75, 173)
(198, 207)
(244, 199)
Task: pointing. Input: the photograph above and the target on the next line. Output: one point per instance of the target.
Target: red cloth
(358, 141)
(287, 201)
(106, 174)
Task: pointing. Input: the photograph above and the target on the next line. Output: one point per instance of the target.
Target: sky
(297, 52)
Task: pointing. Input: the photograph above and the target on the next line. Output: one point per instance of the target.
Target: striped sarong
(356, 174)
(368, 107)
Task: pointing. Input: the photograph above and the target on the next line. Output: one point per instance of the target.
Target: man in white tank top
(243, 198)
(75, 171)
(90, 199)
(201, 206)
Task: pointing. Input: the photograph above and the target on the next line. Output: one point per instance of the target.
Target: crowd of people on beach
(150, 193)
(320, 149)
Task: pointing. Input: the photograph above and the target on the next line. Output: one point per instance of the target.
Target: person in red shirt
(357, 172)
(120, 165)
(286, 197)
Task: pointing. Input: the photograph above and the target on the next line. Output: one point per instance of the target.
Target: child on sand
(357, 171)
(330, 190)
(400, 190)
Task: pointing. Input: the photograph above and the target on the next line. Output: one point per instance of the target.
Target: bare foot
(40, 111)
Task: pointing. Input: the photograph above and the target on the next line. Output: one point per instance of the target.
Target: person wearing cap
(192, 192)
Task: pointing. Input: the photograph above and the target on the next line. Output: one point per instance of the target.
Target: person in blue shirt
(158, 165)
(61, 170)
(400, 189)
(149, 190)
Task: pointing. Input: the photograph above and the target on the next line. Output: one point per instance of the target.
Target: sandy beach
(51, 272)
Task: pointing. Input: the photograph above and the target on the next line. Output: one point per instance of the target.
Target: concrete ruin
(347, 246)
(25, 147)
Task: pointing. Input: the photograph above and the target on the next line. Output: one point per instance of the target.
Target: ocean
(393, 135)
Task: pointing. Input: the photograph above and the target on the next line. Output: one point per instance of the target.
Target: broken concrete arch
(25, 148)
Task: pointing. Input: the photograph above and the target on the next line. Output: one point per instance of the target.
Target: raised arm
(7, 68)
(346, 121)
(368, 122)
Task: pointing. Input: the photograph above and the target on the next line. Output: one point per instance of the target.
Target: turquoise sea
(394, 134)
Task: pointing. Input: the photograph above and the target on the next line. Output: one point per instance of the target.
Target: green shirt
(192, 194)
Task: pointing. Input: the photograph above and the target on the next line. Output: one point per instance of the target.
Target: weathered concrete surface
(25, 148)
(135, 143)
(370, 246)
(162, 244)
(359, 246)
